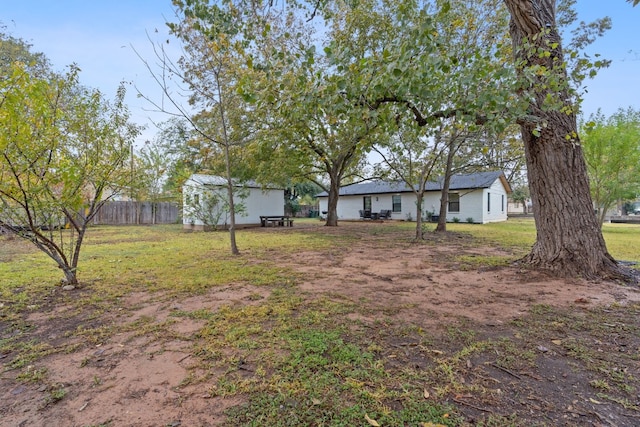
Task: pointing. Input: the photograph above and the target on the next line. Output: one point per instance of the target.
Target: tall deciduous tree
(14, 50)
(217, 45)
(330, 136)
(184, 155)
(438, 63)
(63, 154)
(411, 156)
(151, 165)
(569, 241)
(612, 152)
(309, 96)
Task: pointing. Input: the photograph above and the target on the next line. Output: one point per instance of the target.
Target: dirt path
(136, 378)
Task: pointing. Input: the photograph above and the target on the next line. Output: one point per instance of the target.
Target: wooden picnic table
(276, 221)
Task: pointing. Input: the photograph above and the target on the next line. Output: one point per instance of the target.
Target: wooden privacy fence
(120, 212)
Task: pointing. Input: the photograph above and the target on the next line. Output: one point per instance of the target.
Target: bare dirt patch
(148, 374)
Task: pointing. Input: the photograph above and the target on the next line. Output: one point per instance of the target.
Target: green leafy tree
(456, 137)
(521, 194)
(14, 50)
(150, 166)
(216, 46)
(612, 152)
(330, 136)
(210, 205)
(301, 194)
(443, 65)
(489, 150)
(183, 155)
(315, 130)
(410, 156)
(63, 154)
(569, 241)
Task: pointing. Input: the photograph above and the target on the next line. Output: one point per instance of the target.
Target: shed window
(488, 202)
(396, 201)
(454, 202)
(503, 203)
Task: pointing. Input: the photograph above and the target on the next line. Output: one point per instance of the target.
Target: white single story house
(205, 203)
(478, 197)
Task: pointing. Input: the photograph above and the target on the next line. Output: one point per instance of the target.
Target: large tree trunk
(332, 203)
(569, 242)
(444, 193)
(419, 202)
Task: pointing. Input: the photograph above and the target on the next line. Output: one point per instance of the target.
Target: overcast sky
(98, 35)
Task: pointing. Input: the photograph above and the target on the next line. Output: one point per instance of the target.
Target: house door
(366, 203)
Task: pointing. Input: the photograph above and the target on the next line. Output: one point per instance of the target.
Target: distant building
(205, 203)
(479, 197)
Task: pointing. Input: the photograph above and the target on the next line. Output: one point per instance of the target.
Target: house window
(196, 199)
(454, 202)
(503, 203)
(396, 202)
(488, 202)
(366, 203)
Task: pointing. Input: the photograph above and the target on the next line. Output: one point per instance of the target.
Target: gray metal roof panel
(458, 182)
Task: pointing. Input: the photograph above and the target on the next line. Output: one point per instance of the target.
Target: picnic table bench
(276, 221)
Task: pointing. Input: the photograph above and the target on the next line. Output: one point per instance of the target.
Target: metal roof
(458, 182)
(218, 181)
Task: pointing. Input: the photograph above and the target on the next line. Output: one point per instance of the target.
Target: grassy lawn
(520, 234)
(295, 353)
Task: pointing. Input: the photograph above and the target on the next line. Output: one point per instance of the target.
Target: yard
(355, 325)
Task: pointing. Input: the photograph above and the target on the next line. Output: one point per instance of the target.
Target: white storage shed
(205, 203)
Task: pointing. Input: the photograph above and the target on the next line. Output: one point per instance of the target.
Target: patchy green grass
(623, 241)
(470, 262)
(119, 260)
(519, 234)
(301, 359)
(293, 357)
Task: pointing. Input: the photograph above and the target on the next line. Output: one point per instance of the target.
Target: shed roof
(218, 181)
(458, 182)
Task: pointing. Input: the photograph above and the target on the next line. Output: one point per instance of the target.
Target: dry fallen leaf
(371, 421)
(315, 401)
(426, 394)
(557, 342)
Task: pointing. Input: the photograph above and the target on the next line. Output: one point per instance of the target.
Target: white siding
(349, 207)
(498, 208)
(470, 206)
(257, 203)
(261, 203)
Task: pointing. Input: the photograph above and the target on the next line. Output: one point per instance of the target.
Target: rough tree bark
(444, 193)
(569, 241)
(332, 203)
